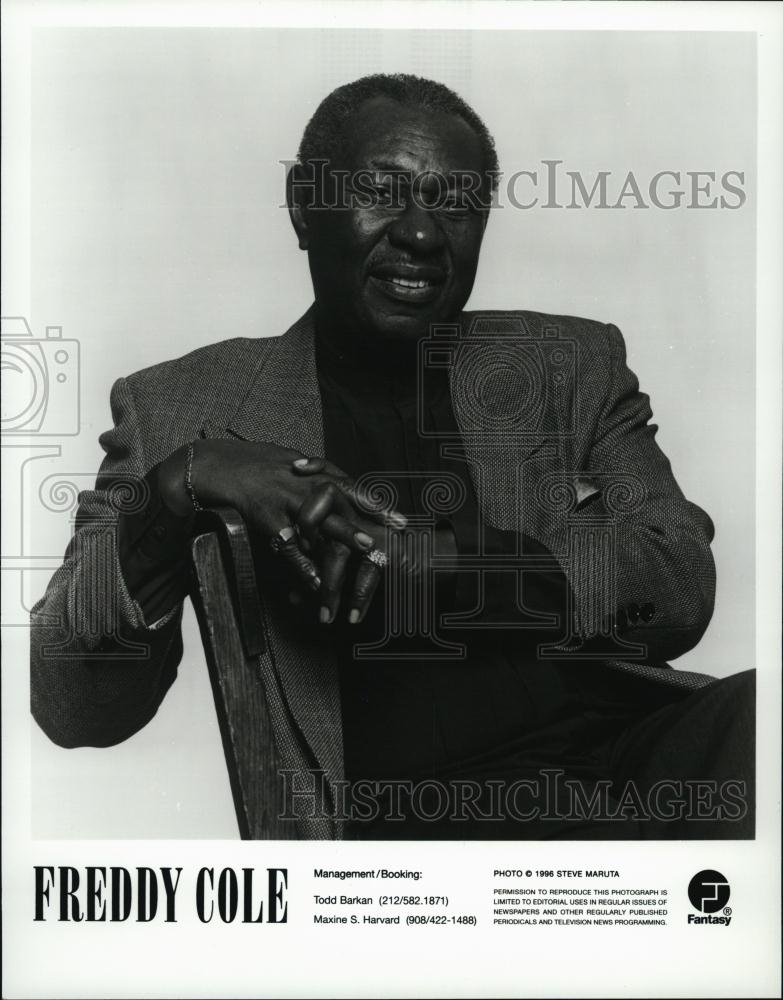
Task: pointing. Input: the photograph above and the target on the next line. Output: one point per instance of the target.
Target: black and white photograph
(391, 495)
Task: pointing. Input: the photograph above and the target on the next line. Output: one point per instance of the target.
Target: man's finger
(368, 576)
(360, 498)
(314, 510)
(334, 565)
(372, 507)
(316, 519)
(340, 529)
(309, 466)
(302, 568)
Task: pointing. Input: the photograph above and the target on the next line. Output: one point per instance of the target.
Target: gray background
(156, 228)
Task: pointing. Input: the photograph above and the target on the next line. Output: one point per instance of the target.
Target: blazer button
(647, 612)
(632, 611)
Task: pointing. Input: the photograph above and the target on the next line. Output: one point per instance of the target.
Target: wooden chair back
(229, 611)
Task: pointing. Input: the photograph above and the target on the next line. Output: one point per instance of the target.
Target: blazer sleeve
(654, 578)
(98, 670)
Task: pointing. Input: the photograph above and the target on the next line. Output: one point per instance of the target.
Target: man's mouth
(408, 284)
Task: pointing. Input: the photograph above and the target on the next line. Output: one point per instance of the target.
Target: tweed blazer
(559, 444)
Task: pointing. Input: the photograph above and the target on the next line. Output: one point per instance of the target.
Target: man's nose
(417, 230)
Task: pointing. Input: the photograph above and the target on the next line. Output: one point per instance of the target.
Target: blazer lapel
(283, 403)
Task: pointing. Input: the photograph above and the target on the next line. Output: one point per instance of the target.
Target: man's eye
(454, 206)
(386, 198)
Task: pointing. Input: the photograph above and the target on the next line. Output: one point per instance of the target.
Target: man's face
(388, 270)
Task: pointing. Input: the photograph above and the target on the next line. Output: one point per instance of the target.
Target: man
(475, 558)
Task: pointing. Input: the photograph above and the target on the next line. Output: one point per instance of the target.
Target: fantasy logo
(709, 892)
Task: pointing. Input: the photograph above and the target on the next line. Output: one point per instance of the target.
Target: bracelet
(189, 478)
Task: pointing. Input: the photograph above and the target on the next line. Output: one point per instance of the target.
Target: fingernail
(315, 583)
(397, 520)
(325, 616)
(300, 463)
(353, 617)
(363, 539)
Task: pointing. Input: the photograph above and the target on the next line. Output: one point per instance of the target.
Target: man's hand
(258, 479)
(344, 575)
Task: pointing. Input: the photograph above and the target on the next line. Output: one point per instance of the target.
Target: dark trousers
(685, 770)
(706, 742)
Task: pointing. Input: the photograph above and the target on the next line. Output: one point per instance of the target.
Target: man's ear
(298, 194)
